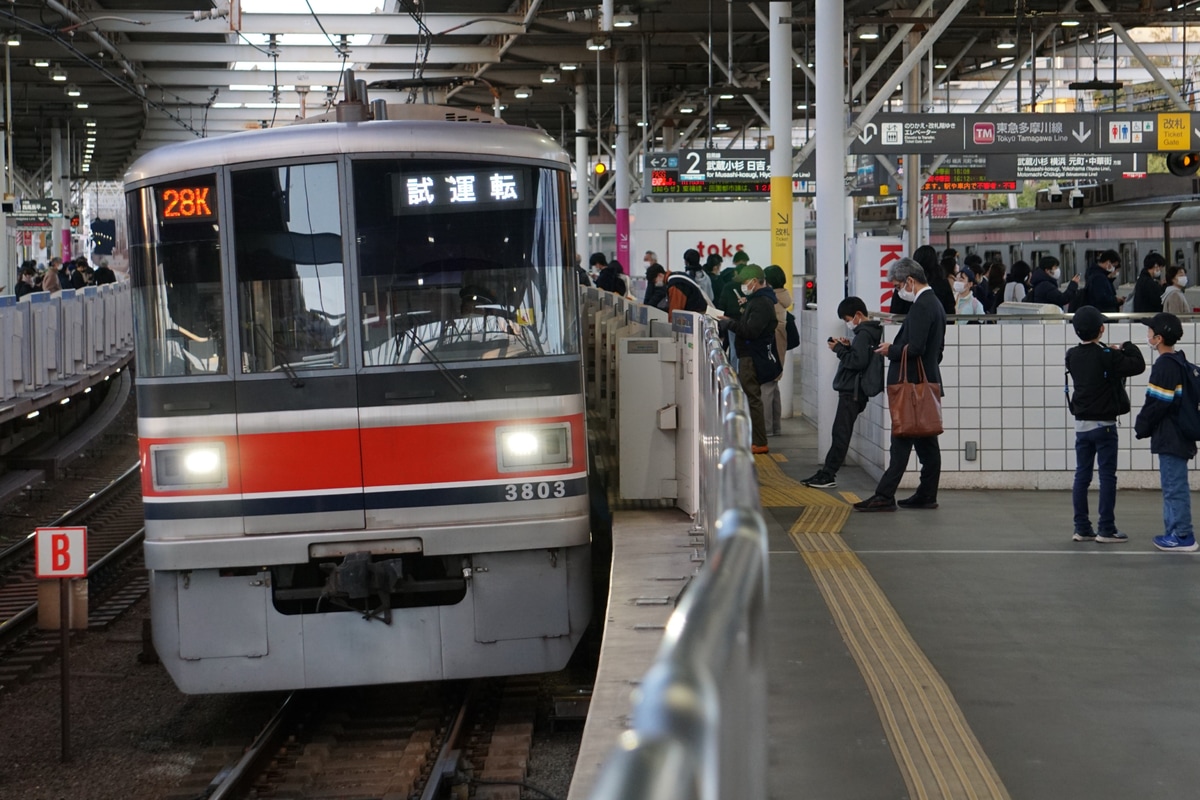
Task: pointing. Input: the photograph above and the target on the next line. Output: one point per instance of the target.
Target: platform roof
(158, 71)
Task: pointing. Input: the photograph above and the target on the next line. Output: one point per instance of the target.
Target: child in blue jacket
(1158, 420)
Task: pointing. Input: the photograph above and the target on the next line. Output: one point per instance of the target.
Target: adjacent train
(360, 403)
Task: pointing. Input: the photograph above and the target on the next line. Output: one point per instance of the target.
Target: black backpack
(793, 335)
(1189, 409)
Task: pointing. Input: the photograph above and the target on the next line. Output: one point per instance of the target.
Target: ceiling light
(550, 76)
(41, 62)
(57, 73)
(87, 167)
(940, 65)
(73, 90)
(12, 39)
(726, 95)
(625, 19)
(687, 110)
(81, 105)
(522, 92)
(1070, 23)
(868, 32)
(1005, 41)
(801, 106)
(598, 43)
(91, 123)
(722, 126)
(568, 66)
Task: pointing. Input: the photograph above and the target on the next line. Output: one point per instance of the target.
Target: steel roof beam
(889, 48)
(1138, 53)
(382, 24)
(230, 52)
(209, 77)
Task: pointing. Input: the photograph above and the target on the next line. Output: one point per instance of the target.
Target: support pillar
(581, 168)
(783, 222)
(621, 166)
(831, 231)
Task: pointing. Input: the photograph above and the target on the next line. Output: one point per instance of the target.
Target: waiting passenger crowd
(751, 304)
(74, 274)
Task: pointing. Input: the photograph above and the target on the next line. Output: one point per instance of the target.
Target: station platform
(972, 651)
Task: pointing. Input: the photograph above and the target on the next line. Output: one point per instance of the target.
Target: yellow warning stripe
(938, 754)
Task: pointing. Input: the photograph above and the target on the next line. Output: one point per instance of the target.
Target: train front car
(360, 405)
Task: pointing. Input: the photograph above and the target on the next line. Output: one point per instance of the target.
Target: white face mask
(850, 326)
(1056, 273)
(960, 287)
(906, 295)
(1181, 281)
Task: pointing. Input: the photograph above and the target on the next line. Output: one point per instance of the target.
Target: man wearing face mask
(1147, 292)
(923, 336)
(1044, 283)
(1099, 282)
(754, 343)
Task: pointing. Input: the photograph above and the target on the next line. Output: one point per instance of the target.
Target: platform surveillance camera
(1054, 192)
(1076, 198)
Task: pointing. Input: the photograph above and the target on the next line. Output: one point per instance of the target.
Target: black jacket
(683, 294)
(757, 321)
(1099, 372)
(944, 294)
(1159, 416)
(1147, 294)
(1100, 291)
(856, 358)
(610, 280)
(656, 296)
(1045, 289)
(924, 334)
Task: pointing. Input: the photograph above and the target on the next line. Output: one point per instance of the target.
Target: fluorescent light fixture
(522, 92)
(625, 18)
(91, 123)
(32, 414)
(41, 62)
(1070, 23)
(81, 105)
(73, 90)
(12, 39)
(687, 109)
(801, 106)
(598, 43)
(726, 95)
(550, 76)
(64, 401)
(868, 32)
(568, 66)
(940, 65)
(1005, 41)
(57, 73)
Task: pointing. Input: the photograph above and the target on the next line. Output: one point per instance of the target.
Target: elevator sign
(61, 553)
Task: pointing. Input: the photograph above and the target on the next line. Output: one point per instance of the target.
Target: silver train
(360, 401)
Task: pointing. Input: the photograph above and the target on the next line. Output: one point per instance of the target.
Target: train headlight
(188, 466)
(533, 446)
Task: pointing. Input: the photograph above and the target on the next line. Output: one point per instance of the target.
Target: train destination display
(1032, 134)
(460, 190)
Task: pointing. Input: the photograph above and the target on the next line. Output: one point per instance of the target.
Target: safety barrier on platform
(51, 338)
(698, 724)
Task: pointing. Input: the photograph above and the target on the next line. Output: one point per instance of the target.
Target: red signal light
(808, 284)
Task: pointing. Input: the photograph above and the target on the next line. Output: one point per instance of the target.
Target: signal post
(62, 555)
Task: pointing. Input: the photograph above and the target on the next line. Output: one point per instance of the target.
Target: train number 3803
(531, 491)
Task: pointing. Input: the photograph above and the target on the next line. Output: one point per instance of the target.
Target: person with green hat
(754, 343)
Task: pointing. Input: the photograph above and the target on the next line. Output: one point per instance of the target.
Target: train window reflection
(290, 285)
(462, 274)
(175, 270)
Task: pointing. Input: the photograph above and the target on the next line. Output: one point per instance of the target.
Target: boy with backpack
(1099, 374)
(859, 377)
(1168, 418)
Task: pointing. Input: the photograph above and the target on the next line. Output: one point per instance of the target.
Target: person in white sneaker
(1158, 420)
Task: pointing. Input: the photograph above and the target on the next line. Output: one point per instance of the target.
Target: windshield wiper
(454, 382)
(276, 351)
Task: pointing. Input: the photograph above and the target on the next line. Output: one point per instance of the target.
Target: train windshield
(175, 268)
(462, 261)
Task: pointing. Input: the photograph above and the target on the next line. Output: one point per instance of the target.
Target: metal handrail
(698, 727)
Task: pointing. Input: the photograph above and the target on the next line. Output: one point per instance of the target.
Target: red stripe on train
(396, 456)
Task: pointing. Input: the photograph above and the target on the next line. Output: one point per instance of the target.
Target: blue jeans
(1100, 446)
(1177, 500)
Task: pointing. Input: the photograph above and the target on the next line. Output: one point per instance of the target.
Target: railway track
(116, 579)
(426, 741)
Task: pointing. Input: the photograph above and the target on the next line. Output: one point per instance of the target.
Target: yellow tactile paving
(934, 747)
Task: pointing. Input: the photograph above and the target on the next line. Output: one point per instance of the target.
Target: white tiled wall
(1003, 388)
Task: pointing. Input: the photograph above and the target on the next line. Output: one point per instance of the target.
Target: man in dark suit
(923, 335)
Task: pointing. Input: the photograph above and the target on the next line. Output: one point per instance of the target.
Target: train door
(1180, 257)
(1130, 266)
(1036, 256)
(994, 255)
(1014, 253)
(1066, 257)
(296, 397)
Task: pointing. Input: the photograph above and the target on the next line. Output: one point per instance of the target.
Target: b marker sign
(62, 553)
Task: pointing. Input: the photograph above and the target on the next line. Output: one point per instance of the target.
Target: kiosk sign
(61, 553)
